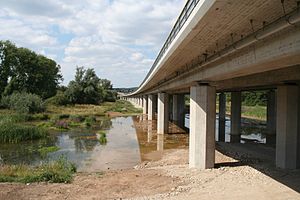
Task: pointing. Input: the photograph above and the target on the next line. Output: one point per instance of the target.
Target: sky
(120, 39)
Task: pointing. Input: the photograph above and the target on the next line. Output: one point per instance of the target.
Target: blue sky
(118, 38)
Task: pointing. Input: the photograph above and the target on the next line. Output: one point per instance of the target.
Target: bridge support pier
(235, 117)
(162, 113)
(151, 109)
(271, 118)
(145, 104)
(222, 115)
(202, 127)
(288, 131)
(178, 110)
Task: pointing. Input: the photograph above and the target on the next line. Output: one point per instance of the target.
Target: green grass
(121, 106)
(256, 112)
(251, 112)
(59, 171)
(11, 132)
(102, 138)
(45, 150)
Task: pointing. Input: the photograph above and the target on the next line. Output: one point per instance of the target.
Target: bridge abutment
(202, 127)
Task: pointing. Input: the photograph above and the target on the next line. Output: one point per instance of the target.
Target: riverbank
(243, 175)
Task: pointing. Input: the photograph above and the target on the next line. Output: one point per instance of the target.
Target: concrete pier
(202, 127)
(235, 117)
(178, 110)
(222, 115)
(145, 104)
(162, 113)
(151, 111)
(287, 136)
(271, 118)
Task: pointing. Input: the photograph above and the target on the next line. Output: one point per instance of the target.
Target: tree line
(23, 71)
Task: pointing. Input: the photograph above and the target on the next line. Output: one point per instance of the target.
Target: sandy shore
(248, 174)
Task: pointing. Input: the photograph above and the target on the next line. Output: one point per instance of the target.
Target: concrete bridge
(219, 46)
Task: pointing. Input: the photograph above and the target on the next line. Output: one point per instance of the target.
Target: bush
(11, 132)
(102, 138)
(60, 99)
(23, 103)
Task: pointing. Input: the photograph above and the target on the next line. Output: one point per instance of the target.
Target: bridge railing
(183, 17)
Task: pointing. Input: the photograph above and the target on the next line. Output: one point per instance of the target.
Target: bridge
(231, 46)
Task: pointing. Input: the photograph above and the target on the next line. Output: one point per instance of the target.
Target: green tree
(88, 88)
(85, 89)
(22, 70)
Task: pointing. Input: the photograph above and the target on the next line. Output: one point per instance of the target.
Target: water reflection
(130, 141)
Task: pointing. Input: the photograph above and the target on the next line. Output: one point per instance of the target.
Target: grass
(256, 112)
(45, 150)
(79, 110)
(102, 138)
(251, 112)
(59, 171)
(121, 106)
(11, 132)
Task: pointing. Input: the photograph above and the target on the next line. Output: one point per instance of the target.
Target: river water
(130, 141)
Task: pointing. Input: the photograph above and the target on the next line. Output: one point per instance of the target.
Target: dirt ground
(243, 171)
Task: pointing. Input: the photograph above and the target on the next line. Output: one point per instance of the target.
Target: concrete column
(222, 115)
(160, 142)
(178, 109)
(163, 113)
(145, 104)
(202, 126)
(235, 117)
(151, 113)
(149, 132)
(271, 118)
(287, 127)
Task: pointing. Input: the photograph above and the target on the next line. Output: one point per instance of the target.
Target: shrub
(24, 103)
(102, 138)
(11, 132)
(60, 99)
(89, 121)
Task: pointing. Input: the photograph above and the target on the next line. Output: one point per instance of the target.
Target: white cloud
(118, 38)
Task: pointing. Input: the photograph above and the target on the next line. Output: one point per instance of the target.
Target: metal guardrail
(183, 17)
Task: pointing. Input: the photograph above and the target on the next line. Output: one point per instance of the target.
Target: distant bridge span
(219, 46)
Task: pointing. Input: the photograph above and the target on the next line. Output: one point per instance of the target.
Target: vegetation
(121, 106)
(22, 70)
(88, 88)
(45, 150)
(11, 132)
(102, 138)
(23, 103)
(59, 171)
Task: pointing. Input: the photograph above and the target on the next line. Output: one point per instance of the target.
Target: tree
(85, 87)
(88, 88)
(22, 70)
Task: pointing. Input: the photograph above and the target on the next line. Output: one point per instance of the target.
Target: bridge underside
(270, 62)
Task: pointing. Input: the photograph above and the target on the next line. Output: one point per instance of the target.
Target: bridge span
(219, 46)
